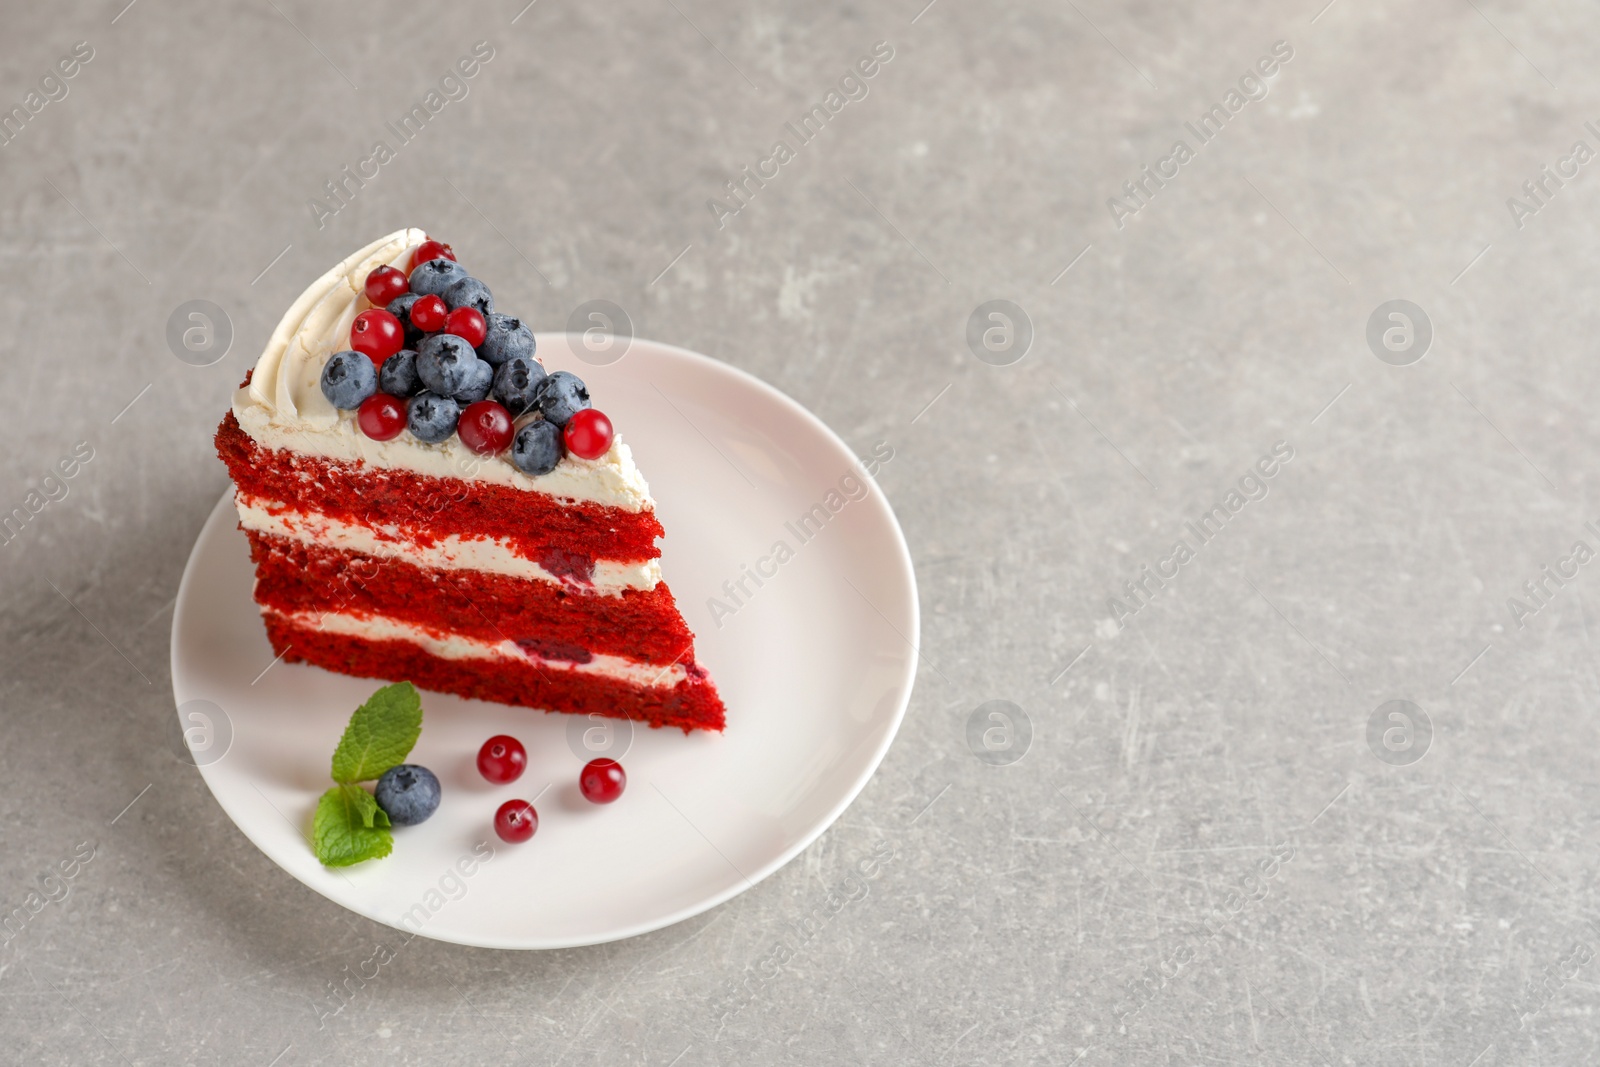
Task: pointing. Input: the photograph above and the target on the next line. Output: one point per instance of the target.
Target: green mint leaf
(380, 734)
(349, 827)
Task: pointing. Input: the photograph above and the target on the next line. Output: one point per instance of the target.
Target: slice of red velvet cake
(424, 503)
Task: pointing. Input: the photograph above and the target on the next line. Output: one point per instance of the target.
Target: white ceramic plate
(815, 666)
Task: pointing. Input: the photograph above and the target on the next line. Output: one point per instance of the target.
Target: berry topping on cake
(348, 378)
(602, 781)
(376, 334)
(517, 383)
(398, 375)
(537, 447)
(470, 293)
(433, 277)
(502, 759)
(432, 418)
(480, 379)
(561, 396)
(587, 434)
(467, 323)
(385, 285)
(516, 821)
(485, 427)
(408, 794)
(448, 364)
(382, 416)
(431, 249)
(444, 362)
(428, 313)
(508, 338)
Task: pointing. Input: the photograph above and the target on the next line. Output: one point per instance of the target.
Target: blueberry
(400, 308)
(348, 379)
(444, 362)
(508, 338)
(561, 396)
(435, 276)
(432, 418)
(408, 794)
(479, 380)
(398, 375)
(469, 293)
(537, 447)
(517, 382)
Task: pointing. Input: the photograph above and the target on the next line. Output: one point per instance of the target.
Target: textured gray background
(1430, 913)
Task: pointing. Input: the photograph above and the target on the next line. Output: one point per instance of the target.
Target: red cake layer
(640, 624)
(692, 704)
(563, 535)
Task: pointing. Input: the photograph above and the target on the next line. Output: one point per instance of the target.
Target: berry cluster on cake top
(432, 357)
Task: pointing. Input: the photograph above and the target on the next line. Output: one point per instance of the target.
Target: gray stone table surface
(1222, 843)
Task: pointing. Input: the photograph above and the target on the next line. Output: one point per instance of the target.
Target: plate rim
(905, 571)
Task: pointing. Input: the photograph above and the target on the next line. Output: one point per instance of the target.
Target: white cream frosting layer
(283, 406)
(449, 553)
(455, 646)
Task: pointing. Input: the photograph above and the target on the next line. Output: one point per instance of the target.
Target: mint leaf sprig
(380, 734)
(349, 827)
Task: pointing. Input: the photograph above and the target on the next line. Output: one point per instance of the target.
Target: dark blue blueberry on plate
(408, 794)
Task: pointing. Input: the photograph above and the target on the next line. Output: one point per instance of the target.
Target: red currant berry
(588, 434)
(431, 249)
(485, 427)
(382, 417)
(428, 314)
(467, 324)
(385, 284)
(376, 334)
(502, 759)
(516, 821)
(602, 781)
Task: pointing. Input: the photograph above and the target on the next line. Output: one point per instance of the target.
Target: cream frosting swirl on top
(288, 376)
(283, 406)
